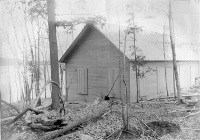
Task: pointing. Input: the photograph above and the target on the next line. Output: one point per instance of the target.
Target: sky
(149, 14)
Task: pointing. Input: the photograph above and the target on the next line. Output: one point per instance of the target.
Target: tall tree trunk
(119, 55)
(125, 122)
(61, 79)
(172, 39)
(48, 76)
(30, 89)
(10, 91)
(174, 84)
(53, 53)
(45, 79)
(38, 67)
(0, 105)
(17, 91)
(136, 69)
(16, 55)
(20, 84)
(45, 63)
(166, 85)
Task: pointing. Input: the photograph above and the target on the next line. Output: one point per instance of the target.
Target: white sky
(186, 17)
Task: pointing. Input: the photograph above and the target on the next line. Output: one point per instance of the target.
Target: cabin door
(114, 82)
(83, 81)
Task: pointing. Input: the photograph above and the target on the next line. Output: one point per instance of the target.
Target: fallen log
(49, 122)
(190, 129)
(23, 112)
(185, 110)
(96, 112)
(4, 121)
(43, 107)
(33, 106)
(12, 106)
(42, 127)
(192, 114)
(38, 96)
(163, 98)
(43, 89)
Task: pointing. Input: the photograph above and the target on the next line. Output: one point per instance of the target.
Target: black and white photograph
(100, 69)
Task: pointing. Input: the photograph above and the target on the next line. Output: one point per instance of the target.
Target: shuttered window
(83, 81)
(113, 75)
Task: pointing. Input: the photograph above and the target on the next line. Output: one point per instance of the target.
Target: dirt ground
(111, 122)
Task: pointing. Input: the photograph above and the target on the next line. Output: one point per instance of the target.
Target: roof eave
(74, 43)
(133, 60)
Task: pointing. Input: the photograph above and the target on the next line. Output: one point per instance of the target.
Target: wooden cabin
(94, 67)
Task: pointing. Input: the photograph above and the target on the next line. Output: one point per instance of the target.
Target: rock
(85, 137)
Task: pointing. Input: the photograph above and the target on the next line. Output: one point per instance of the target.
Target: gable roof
(75, 42)
(87, 28)
(150, 44)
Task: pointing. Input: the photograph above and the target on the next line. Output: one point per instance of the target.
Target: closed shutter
(114, 78)
(83, 81)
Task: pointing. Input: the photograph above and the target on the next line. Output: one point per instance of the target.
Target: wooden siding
(98, 54)
(114, 82)
(153, 85)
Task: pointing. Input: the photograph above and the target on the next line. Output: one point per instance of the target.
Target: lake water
(10, 79)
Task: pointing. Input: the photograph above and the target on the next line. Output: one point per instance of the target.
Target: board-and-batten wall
(101, 59)
(153, 84)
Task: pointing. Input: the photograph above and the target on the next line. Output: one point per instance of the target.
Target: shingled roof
(149, 43)
(87, 28)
